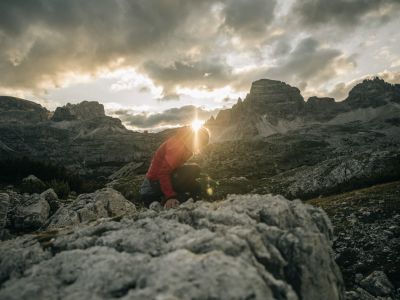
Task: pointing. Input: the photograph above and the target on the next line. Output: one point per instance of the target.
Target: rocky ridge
(275, 107)
(78, 136)
(14, 110)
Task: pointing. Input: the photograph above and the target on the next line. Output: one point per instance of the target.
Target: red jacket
(170, 155)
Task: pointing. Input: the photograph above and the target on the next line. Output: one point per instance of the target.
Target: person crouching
(169, 180)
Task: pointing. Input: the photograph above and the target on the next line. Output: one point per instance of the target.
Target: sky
(156, 63)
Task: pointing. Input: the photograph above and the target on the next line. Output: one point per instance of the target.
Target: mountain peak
(373, 93)
(81, 111)
(268, 86)
(14, 109)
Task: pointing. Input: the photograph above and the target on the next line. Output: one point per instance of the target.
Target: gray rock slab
(246, 247)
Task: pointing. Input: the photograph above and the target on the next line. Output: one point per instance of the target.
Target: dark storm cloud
(307, 62)
(249, 18)
(177, 43)
(42, 40)
(170, 117)
(281, 48)
(342, 12)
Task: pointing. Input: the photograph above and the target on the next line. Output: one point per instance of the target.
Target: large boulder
(51, 197)
(246, 247)
(377, 284)
(30, 212)
(88, 207)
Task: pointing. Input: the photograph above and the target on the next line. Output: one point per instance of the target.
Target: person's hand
(171, 203)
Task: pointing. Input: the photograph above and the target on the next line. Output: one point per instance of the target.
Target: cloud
(169, 118)
(178, 45)
(308, 63)
(343, 13)
(206, 74)
(249, 19)
(43, 42)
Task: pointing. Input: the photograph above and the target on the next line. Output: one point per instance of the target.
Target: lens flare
(197, 124)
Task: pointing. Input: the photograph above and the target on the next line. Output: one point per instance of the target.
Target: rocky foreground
(245, 247)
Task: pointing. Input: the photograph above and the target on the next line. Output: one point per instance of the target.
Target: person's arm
(164, 176)
(174, 156)
(166, 186)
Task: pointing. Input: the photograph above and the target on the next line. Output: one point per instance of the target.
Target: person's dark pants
(183, 181)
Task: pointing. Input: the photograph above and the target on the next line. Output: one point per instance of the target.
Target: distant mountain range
(276, 107)
(81, 137)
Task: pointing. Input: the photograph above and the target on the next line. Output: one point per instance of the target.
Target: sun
(197, 124)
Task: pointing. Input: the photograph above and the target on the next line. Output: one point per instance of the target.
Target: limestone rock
(19, 254)
(88, 207)
(275, 97)
(373, 93)
(377, 284)
(322, 109)
(20, 214)
(51, 197)
(83, 110)
(359, 294)
(246, 247)
(270, 107)
(31, 213)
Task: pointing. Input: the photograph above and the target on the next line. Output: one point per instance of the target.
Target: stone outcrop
(373, 93)
(52, 199)
(275, 98)
(258, 247)
(29, 212)
(88, 207)
(377, 284)
(270, 107)
(322, 109)
(80, 111)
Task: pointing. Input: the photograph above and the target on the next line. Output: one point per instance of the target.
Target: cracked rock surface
(246, 247)
(102, 203)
